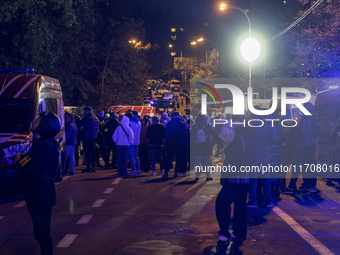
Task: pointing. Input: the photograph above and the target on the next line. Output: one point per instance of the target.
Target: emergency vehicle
(142, 110)
(23, 95)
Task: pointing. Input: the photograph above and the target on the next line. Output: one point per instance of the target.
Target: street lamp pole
(250, 47)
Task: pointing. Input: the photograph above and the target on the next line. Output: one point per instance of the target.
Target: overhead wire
(316, 4)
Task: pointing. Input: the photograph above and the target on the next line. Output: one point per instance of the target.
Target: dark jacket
(89, 127)
(156, 133)
(236, 156)
(202, 148)
(265, 138)
(71, 132)
(38, 168)
(335, 136)
(309, 130)
(109, 128)
(143, 138)
(176, 132)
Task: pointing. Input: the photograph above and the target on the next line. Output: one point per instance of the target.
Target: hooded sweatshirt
(119, 136)
(136, 128)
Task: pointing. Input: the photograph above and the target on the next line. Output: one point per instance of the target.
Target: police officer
(38, 168)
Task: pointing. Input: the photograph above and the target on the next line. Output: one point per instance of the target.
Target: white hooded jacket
(119, 136)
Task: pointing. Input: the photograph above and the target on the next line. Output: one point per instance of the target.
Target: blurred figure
(111, 123)
(100, 141)
(164, 119)
(226, 135)
(309, 132)
(144, 146)
(100, 116)
(276, 157)
(234, 190)
(176, 136)
(291, 156)
(123, 137)
(156, 134)
(133, 149)
(262, 155)
(201, 134)
(77, 120)
(71, 134)
(39, 168)
(89, 128)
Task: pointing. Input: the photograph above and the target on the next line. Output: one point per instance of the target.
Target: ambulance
(23, 95)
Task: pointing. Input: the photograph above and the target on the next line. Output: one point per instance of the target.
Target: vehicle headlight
(19, 148)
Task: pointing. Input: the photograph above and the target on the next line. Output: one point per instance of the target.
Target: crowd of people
(142, 142)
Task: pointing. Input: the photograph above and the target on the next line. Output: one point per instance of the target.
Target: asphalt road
(98, 213)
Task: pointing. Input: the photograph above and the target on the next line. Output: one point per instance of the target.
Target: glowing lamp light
(223, 7)
(250, 49)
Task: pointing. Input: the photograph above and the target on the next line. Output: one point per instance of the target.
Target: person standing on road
(89, 132)
(176, 136)
(309, 132)
(265, 138)
(144, 146)
(100, 141)
(39, 168)
(201, 135)
(123, 137)
(234, 190)
(133, 149)
(77, 120)
(71, 133)
(156, 134)
(111, 123)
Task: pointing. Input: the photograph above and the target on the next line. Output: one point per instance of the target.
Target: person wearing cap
(89, 128)
(38, 169)
(123, 137)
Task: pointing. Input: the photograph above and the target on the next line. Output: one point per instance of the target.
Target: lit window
(173, 37)
(173, 53)
(182, 29)
(173, 29)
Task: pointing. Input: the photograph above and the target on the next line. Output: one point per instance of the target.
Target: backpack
(201, 136)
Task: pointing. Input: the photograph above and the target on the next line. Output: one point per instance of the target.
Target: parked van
(23, 95)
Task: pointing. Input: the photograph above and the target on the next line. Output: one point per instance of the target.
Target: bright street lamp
(250, 48)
